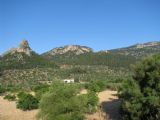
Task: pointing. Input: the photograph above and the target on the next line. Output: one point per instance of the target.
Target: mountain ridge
(139, 50)
(77, 49)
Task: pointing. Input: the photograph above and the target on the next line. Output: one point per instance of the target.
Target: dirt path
(110, 104)
(8, 111)
(110, 107)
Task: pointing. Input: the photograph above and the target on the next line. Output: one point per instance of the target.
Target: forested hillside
(113, 61)
(23, 61)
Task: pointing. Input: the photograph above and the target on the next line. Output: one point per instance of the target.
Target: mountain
(117, 58)
(74, 49)
(23, 48)
(82, 55)
(23, 57)
(139, 50)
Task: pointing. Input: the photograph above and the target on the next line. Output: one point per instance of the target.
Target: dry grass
(8, 111)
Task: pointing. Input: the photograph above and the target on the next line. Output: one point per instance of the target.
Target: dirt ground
(8, 111)
(109, 107)
(107, 99)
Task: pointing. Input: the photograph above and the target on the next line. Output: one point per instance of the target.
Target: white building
(68, 80)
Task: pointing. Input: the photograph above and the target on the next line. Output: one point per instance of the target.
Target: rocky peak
(24, 45)
(77, 49)
(23, 48)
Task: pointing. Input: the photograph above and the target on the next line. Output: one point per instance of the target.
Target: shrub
(40, 90)
(21, 94)
(78, 70)
(92, 102)
(96, 85)
(13, 88)
(141, 96)
(10, 97)
(63, 103)
(2, 89)
(27, 102)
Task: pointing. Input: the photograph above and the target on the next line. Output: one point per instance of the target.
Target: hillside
(139, 50)
(113, 61)
(83, 55)
(24, 68)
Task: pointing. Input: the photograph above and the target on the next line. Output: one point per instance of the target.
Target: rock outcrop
(23, 48)
(76, 49)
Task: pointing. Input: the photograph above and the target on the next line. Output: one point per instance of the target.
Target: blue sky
(100, 24)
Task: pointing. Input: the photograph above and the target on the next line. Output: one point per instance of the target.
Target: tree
(141, 96)
(92, 102)
(96, 85)
(40, 90)
(61, 103)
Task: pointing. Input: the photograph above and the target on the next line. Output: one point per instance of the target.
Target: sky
(99, 24)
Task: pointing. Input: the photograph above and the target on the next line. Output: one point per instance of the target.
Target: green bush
(10, 97)
(21, 94)
(92, 102)
(40, 90)
(62, 102)
(141, 96)
(96, 85)
(27, 102)
(13, 88)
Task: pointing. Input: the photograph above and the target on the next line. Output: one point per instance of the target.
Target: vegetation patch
(2, 89)
(27, 102)
(141, 95)
(10, 97)
(40, 90)
(63, 102)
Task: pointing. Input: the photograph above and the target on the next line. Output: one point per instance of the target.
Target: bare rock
(77, 49)
(23, 48)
